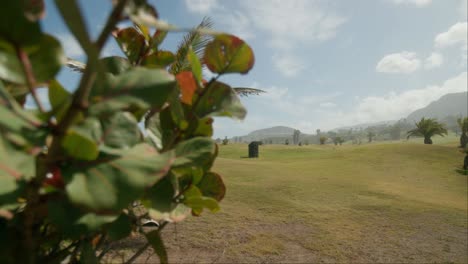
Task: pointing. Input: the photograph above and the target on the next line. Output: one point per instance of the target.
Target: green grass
(379, 202)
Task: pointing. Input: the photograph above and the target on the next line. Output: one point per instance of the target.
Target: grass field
(379, 202)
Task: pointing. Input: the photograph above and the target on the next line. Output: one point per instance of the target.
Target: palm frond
(244, 91)
(427, 128)
(196, 42)
(75, 65)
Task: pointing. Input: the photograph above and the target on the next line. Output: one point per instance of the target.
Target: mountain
(277, 131)
(365, 125)
(455, 104)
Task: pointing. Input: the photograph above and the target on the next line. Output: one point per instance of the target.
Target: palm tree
(428, 128)
(463, 123)
(192, 40)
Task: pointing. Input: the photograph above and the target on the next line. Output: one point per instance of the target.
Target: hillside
(446, 109)
(278, 132)
(455, 104)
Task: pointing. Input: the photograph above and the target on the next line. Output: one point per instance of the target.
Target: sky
(323, 63)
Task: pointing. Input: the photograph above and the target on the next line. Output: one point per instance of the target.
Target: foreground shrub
(69, 175)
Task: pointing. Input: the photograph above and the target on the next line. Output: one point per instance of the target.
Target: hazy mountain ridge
(454, 104)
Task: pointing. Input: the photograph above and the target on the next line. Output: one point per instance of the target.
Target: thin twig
(138, 253)
(114, 17)
(143, 249)
(30, 79)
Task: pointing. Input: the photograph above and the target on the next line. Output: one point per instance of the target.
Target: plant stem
(30, 79)
(79, 103)
(138, 253)
(80, 97)
(143, 249)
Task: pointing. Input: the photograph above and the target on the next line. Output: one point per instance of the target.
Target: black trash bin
(253, 149)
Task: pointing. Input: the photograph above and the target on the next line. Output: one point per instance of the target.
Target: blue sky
(324, 64)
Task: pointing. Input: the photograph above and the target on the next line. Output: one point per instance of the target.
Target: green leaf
(121, 130)
(14, 164)
(178, 214)
(157, 39)
(194, 199)
(220, 100)
(144, 30)
(212, 185)
(46, 57)
(228, 54)
(138, 88)
(73, 222)
(12, 116)
(113, 185)
(131, 42)
(15, 25)
(154, 238)
(59, 98)
(115, 65)
(196, 65)
(199, 152)
(161, 195)
(204, 127)
(80, 141)
(120, 228)
(159, 59)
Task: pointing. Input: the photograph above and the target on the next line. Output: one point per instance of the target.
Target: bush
(323, 139)
(70, 175)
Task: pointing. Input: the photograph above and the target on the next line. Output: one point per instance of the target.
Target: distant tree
(286, 142)
(296, 135)
(300, 144)
(323, 139)
(463, 124)
(338, 140)
(428, 128)
(306, 142)
(370, 135)
(335, 140)
(395, 131)
(332, 134)
(318, 134)
(218, 140)
(225, 141)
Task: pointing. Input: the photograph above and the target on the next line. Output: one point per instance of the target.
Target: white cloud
(290, 22)
(201, 6)
(282, 24)
(308, 113)
(403, 62)
(70, 45)
(455, 35)
(418, 3)
(433, 61)
(288, 65)
(327, 105)
(238, 22)
(398, 105)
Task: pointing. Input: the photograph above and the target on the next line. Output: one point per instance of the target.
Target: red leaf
(187, 85)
